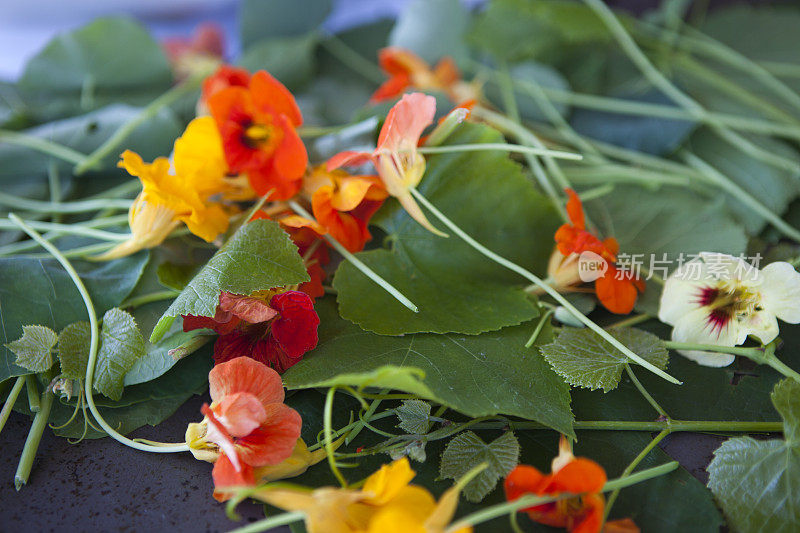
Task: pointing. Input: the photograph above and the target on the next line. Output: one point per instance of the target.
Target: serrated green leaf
(39, 291)
(74, 74)
(415, 416)
(456, 288)
(260, 256)
(482, 375)
(758, 482)
(467, 450)
(584, 359)
(34, 348)
(121, 345)
(73, 349)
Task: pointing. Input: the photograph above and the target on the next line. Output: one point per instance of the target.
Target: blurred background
(26, 26)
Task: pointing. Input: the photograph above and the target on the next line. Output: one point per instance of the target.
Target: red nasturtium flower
(247, 425)
(225, 76)
(570, 474)
(257, 124)
(399, 163)
(343, 204)
(408, 70)
(276, 331)
(616, 289)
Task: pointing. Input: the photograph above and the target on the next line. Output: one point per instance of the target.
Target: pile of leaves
(679, 131)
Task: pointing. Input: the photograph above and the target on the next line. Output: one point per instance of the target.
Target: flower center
(261, 136)
(728, 301)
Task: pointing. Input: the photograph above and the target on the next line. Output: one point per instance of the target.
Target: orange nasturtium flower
(343, 204)
(399, 163)
(247, 426)
(166, 200)
(386, 503)
(225, 76)
(408, 70)
(257, 124)
(616, 289)
(569, 474)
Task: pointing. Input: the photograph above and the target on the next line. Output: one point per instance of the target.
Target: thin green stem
(526, 137)
(494, 511)
(42, 145)
(639, 59)
(539, 326)
(504, 147)
(33, 440)
(361, 423)
(629, 469)
(11, 399)
(71, 229)
(18, 202)
(356, 262)
(327, 420)
(724, 426)
(271, 522)
(544, 286)
(123, 132)
(143, 299)
(727, 185)
(93, 344)
(34, 402)
(638, 384)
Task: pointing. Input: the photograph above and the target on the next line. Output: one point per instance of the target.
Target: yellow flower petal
(387, 482)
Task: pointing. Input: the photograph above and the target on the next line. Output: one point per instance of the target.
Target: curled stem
(327, 417)
(93, 345)
(544, 286)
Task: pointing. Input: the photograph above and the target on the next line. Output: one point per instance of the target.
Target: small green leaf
(467, 450)
(586, 360)
(34, 348)
(260, 256)
(73, 349)
(415, 416)
(757, 482)
(121, 345)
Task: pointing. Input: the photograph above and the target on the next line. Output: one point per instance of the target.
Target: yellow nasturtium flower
(166, 200)
(387, 503)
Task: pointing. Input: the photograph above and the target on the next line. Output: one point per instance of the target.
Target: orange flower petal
(241, 413)
(291, 158)
(616, 295)
(348, 158)
(524, 479)
(274, 440)
(592, 517)
(226, 475)
(575, 209)
(245, 375)
(578, 476)
(271, 95)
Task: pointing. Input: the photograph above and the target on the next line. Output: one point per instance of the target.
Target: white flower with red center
(720, 299)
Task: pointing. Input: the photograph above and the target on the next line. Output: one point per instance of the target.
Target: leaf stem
(733, 426)
(539, 327)
(118, 137)
(644, 392)
(758, 355)
(11, 399)
(356, 262)
(494, 511)
(143, 299)
(631, 320)
(42, 145)
(71, 229)
(629, 469)
(505, 147)
(352, 59)
(327, 419)
(93, 345)
(34, 403)
(547, 288)
(33, 440)
(18, 202)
